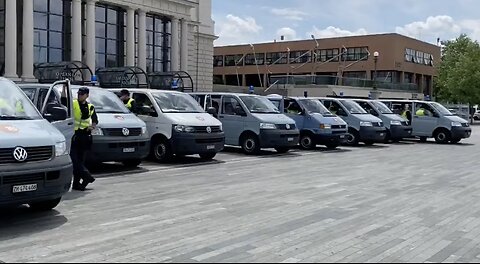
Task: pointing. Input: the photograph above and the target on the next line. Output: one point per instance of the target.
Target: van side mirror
(212, 111)
(147, 110)
(239, 111)
(55, 112)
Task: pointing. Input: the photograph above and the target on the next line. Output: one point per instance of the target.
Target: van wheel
(423, 139)
(282, 150)
(45, 205)
(161, 150)
(306, 141)
(442, 136)
(207, 156)
(332, 145)
(250, 144)
(352, 137)
(131, 163)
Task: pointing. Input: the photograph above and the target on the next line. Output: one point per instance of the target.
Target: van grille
(284, 127)
(17, 179)
(377, 124)
(34, 154)
(208, 140)
(339, 126)
(118, 132)
(203, 129)
(127, 145)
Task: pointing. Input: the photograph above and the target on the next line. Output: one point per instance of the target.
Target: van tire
(307, 141)
(161, 150)
(207, 156)
(352, 137)
(45, 205)
(282, 150)
(250, 144)
(442, 136)
(131, 163)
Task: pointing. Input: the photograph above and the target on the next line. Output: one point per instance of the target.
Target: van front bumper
(53, 179)
(118, 149)
(276, 138)
(399, 132)
(374, 134)
(196, 143)
(336, 137)
(461, 132)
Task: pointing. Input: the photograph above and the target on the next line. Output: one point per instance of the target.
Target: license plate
(381, 134)
(128, 150)
(25, 188)
(290, 139)
(210, 147)
(342, 136)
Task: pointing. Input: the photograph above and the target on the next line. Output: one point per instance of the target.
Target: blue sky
(249, 21)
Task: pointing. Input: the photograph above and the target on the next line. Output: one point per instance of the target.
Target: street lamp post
(375, 60)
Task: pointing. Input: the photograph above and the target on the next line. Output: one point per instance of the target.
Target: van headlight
(144, 130)
(97, 132)
(61, 149)
(456, 124)
(366, 124)
(267, 126)
(221, 128)
(395, 123)
(184, 129)
(325, 126)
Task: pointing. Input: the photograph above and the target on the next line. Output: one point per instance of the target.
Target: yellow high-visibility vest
(129, 103)
(77, 113)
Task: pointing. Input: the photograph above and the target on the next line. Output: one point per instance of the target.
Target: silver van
(120, 135)
(362, 126)
(316, 124)
(35, 165)
(397, 127)
(251, 121)
(431, 119)
(177, 124)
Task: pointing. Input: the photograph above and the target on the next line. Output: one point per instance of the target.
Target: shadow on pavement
(19, 221)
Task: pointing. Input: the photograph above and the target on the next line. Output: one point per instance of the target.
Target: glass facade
(2, 37)
(110, 36)
(52, 30)
(159, 31)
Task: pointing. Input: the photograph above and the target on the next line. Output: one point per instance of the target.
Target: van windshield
(441, 109)
(353, 107)
(259, 105)
(315, 106)
(14, 104)
(105, 102)
(177, 103)
(381, 107)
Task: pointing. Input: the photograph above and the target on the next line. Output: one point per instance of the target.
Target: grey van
(35, 165)
(120, 136)
(431, 119)
(362, 126)
(316, 124)
(397, 127)
(251, 121)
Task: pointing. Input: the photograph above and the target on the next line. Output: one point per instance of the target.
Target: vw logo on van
(126, 132)
(20, 154)
(287, 126)
(209, 130)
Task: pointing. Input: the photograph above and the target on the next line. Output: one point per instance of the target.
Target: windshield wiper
(7, 117)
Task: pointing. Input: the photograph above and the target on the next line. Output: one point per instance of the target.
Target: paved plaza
(405, 202)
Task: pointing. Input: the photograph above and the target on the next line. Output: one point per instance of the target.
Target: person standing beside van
(86, 120)
(126, 99)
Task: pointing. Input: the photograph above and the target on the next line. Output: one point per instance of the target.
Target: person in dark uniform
(86, 120)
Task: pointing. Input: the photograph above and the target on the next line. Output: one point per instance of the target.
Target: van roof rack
(76, 71)
(174, 80)
(122, 77)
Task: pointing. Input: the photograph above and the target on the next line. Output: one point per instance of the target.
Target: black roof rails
(122, 77)
(176, 80)
(76, 71)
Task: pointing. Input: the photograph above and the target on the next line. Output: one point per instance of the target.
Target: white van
(177, 124)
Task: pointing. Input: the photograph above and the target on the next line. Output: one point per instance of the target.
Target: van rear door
(61, 89)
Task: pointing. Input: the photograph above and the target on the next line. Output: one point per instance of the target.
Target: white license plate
(128, 150)
(209, 147)
(342, 136)
(25, 188)
(290, 139)
(381, 134)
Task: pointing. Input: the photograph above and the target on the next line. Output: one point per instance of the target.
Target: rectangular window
(355, 74)
(110, 36)
(327, 55)
(158, 43)
(302, 56)
(218, 61)
(250, 59)
(232, 60)
(356, 54)
(277, 58)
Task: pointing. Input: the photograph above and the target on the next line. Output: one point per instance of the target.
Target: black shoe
(90, 179)
(78, 187)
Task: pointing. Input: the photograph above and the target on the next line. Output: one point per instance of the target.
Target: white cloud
(236, 30)
(433, 27)
(331, 32)
(288, 13)
(288, 33)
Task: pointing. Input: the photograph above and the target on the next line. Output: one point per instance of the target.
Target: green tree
(459, 72)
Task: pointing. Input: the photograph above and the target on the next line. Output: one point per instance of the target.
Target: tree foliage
(459, 72)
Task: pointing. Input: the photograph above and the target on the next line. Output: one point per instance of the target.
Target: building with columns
(155, 35)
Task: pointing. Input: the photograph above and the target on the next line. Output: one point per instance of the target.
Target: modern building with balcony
(396, 65)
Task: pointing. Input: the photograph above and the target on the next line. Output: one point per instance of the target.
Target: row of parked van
(35, 167)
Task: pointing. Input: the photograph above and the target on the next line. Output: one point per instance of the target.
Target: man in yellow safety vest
(125, 97)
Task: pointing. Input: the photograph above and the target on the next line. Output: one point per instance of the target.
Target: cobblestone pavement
(406, 202)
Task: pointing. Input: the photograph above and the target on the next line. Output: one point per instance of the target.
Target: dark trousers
(81, 143)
